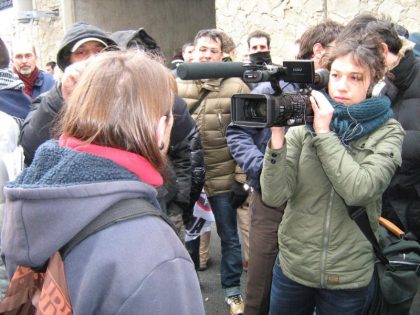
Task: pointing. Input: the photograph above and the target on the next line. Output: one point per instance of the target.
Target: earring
(161, 146)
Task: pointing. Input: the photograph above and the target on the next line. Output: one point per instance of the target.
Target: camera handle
(275, 85)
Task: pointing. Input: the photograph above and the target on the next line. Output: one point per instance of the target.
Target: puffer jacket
(212, 118)
(320, 246)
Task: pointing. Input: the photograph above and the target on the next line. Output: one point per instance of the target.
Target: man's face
(188, 54)
(86, 51)
(208, 50)
(24, 61)
(258, 44)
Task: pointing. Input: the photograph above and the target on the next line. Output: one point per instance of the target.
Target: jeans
(290, 297)
(227, 229)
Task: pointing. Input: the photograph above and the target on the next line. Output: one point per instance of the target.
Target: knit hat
(4, 55)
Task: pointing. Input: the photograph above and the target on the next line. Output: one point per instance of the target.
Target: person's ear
(164, 132)
(318, 51)
(386, 50)
(161, 132)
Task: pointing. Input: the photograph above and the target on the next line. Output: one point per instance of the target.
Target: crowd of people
(120, 124)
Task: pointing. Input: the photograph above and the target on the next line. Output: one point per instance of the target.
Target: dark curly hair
(366, 50)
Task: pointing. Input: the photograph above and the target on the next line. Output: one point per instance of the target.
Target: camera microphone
(208, 70)
(320, 79)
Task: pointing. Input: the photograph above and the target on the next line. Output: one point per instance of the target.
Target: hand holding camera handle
(323, 112)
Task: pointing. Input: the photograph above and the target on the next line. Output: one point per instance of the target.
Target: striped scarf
(9, 80)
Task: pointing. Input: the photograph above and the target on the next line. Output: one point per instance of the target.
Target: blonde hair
(118, 103)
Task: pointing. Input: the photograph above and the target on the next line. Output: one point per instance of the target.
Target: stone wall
(44, 31)
(286, 20)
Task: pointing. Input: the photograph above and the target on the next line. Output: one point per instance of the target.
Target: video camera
(278, 109)
(265, 110)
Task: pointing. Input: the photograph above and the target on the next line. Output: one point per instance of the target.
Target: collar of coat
(213, 85)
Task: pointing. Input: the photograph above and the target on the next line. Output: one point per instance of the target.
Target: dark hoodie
(37, 127)
(77, 32)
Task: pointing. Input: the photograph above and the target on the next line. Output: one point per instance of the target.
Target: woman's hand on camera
(323, 112)
(277, 137)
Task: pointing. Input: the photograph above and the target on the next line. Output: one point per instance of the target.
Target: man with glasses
(209, 102)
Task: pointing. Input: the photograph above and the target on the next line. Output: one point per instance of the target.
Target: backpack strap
(360, 217)
(123, 210)
(198, 103)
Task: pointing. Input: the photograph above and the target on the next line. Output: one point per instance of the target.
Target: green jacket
(212, 118)
(320, 246)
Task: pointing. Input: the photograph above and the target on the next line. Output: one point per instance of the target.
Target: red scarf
(130, 161)
(28, 81)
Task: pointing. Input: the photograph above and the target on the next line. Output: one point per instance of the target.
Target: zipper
(326, 239)
(222, 129)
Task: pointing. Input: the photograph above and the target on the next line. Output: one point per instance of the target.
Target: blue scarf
(355, 121)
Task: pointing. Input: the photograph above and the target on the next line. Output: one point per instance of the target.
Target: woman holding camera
(346, 158)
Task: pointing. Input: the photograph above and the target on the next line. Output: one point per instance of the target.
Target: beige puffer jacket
(212, 118)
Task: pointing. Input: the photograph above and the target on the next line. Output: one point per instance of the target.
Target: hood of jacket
(139, 39)
(77, 32)
(58, 195)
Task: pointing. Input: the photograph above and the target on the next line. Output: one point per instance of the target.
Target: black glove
(237, 195)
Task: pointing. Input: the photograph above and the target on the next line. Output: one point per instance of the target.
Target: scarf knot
(28, 81)
(355, 121)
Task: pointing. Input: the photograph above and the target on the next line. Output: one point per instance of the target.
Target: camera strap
(200, 100)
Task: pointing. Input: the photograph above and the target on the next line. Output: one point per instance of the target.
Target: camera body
(277, 109)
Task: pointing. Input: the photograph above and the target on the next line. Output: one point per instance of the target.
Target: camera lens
(255, 110)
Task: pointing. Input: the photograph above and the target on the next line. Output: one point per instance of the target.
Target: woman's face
(349, 82)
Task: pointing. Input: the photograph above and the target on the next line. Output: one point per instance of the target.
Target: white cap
(85, 40)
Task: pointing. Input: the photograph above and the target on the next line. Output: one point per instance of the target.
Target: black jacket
(401, 201)
(187, 160)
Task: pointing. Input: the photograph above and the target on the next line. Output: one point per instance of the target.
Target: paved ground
(210, 280)
(212, 291)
